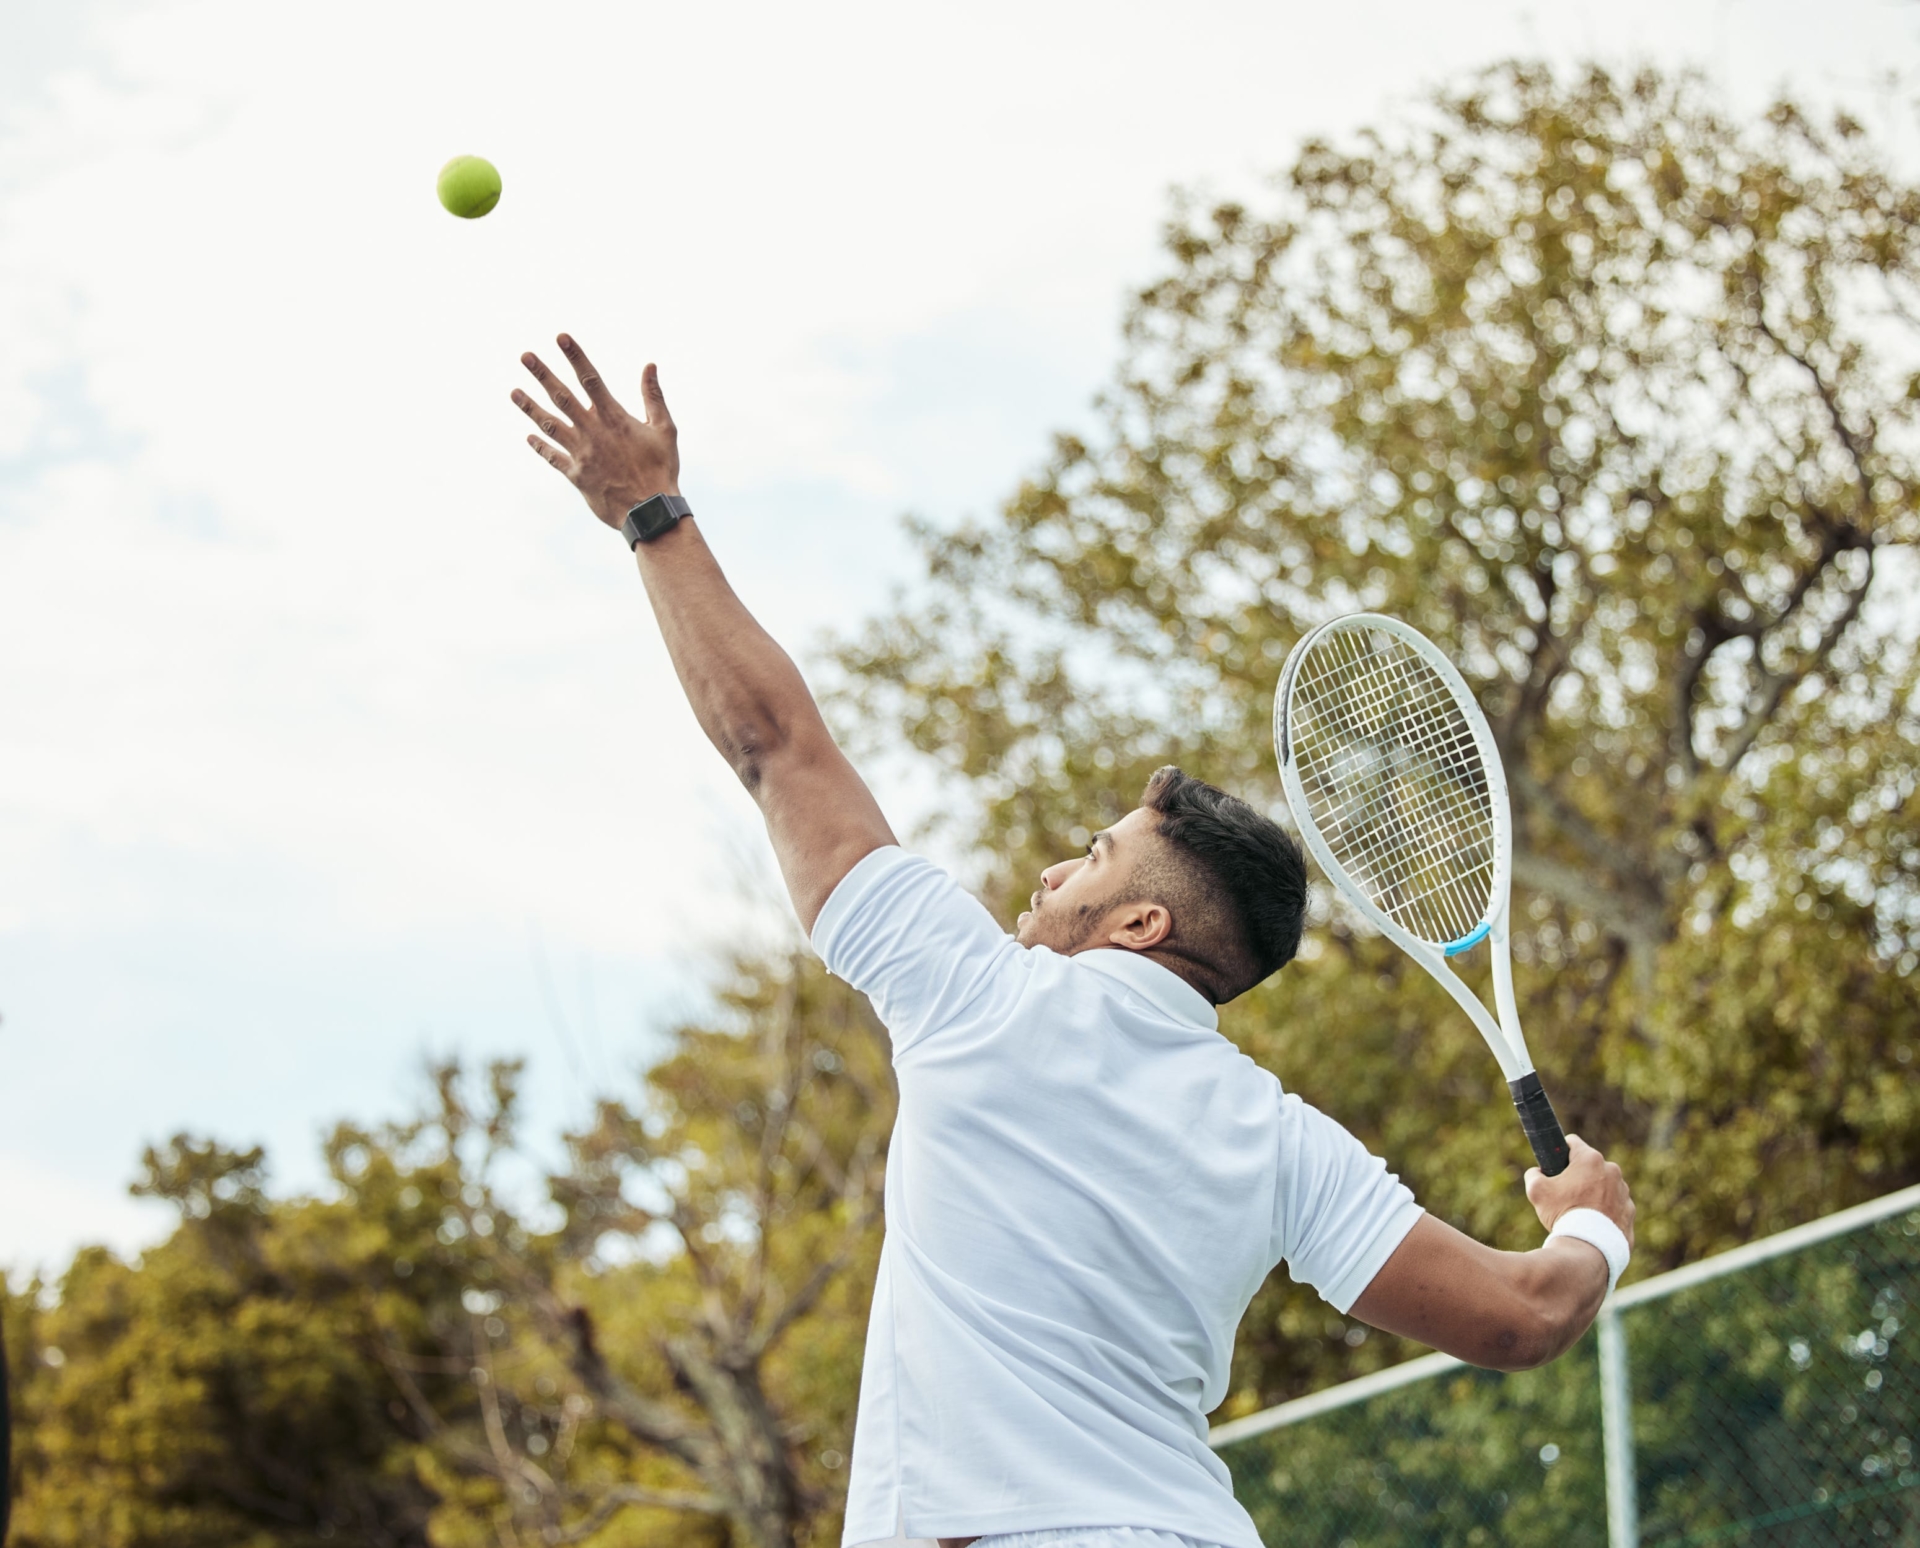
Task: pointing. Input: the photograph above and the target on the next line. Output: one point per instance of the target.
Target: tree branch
(752, 1452)
(1577, 889)
(469, 1455)
(802, 1300)
(508, 1463)
(1857, 452)
(627, 1496)
(651, 1423)
(501, 1461)
(1780, 684)
(1551, 654)
(779, 1052)
(1542, 801)
(712, 1283)
(1686, 685)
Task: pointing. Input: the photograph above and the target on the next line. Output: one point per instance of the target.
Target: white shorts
(1065, 1537)
(1093, 1537)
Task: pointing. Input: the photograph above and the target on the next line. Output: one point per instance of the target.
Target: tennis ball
(469, 186)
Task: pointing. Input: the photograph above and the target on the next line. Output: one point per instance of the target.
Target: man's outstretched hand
(613, 459)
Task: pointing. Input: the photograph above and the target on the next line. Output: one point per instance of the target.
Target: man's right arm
(1508, 1311)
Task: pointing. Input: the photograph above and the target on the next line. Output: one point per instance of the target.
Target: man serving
(1086, 1183)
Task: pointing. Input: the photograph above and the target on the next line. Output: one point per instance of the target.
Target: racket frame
(1503, 1034)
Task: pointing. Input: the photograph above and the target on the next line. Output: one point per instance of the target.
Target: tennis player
(1087, 1183)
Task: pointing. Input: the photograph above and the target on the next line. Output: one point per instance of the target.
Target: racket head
(1395, 781)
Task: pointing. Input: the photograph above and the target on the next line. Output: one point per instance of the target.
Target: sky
(334, 733)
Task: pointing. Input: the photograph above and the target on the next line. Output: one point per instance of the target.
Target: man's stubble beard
(1085, 921)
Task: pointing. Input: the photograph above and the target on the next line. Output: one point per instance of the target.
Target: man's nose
(1054, 875)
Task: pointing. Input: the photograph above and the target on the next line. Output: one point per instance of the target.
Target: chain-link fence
(1769, 1396)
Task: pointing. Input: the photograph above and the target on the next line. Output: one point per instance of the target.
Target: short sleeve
(912, 939)
(1340, 1213)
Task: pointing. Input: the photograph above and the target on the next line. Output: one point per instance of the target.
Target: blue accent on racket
(1467, 942)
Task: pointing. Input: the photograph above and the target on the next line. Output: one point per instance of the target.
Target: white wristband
(1596, 1230)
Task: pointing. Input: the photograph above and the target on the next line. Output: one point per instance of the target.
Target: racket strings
(1414, 878)
(1435, 890)
(1395, 782)
(1406, 842)
(1395, 825)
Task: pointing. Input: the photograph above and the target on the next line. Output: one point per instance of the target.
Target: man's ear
(1141, 926)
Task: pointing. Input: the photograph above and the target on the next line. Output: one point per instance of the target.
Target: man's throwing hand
(613, 459)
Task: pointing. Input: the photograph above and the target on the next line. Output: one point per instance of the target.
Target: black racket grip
(1543, 1128)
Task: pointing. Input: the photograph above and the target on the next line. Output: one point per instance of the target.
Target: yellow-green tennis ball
(469, 186)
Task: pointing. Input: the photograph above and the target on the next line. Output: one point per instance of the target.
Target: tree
(663, 1350)
(714, 1374)
(6, 1430)
(217, 1392)
(1616, 399)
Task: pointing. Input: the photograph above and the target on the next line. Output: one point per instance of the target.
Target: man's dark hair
(1235, 882)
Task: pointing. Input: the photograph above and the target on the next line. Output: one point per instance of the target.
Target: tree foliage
(1617, 400)
(217, 1392)
(663, 1350)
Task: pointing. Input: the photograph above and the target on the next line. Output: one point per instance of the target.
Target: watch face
(650, 518)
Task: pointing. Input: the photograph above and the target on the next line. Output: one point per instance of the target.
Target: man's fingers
(590, 382)
(553, 454)
(562, 395)
(541, 415)
(656, 399)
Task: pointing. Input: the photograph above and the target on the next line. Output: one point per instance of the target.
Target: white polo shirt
(1086, 1185)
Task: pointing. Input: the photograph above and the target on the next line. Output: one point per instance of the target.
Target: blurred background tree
(1613, 397)
(217, 1391)
(663, 1350)
(1617, 400)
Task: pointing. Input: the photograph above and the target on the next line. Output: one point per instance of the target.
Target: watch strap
(647, 520)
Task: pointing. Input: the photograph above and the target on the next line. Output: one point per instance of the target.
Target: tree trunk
(752, 1470)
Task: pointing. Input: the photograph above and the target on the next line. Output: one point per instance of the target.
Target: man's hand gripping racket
(1395, 782)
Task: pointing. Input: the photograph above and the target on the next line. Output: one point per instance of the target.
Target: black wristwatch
(647, 520)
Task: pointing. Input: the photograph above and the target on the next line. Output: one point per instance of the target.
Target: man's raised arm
(745, 690)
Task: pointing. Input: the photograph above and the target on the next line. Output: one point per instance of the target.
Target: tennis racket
(1395, 782)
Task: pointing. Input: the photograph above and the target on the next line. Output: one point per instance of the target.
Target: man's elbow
(748, 763)
(1526, 1342)
(770, 747)
(750, 746)
(1537, 1329)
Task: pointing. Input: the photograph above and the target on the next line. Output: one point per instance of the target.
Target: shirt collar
(1162, 987)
